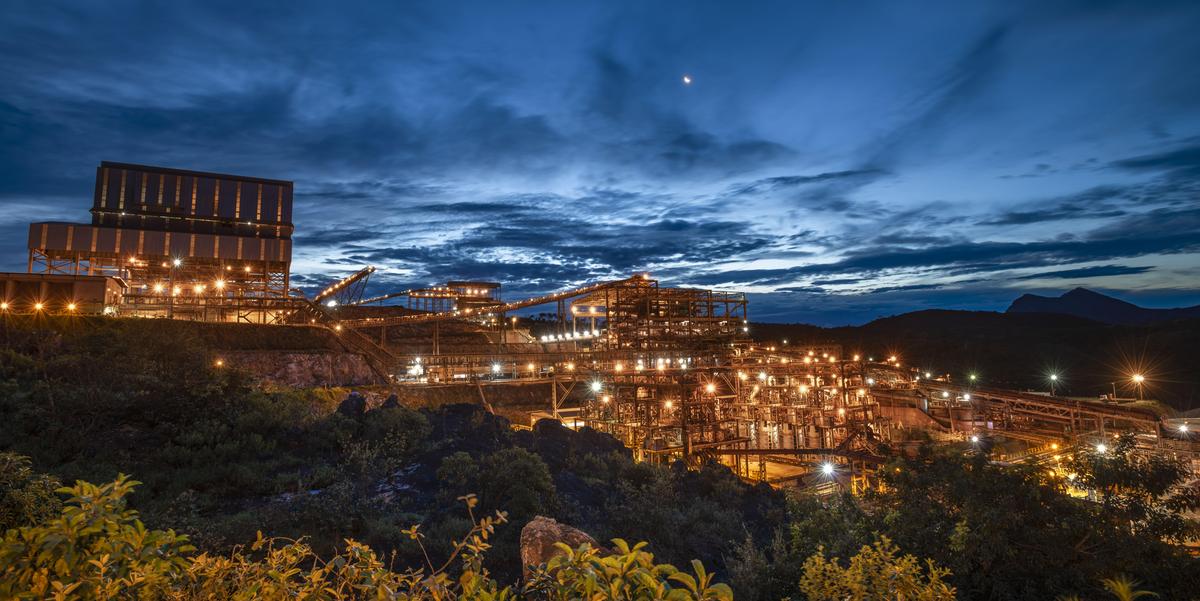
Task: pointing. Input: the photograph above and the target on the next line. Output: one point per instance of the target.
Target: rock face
(539, 536)
(303, 369)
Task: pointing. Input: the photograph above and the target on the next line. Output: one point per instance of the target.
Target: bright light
(1053, 377)
(597, 386)
(928, 375)
(70, 306)
(967, 396)
(803, 389)
(177, 262)
(220, 363)
(827, 468)
(974, 438)
(742, 376)
(1054, 446)
(687, 80)
(530, 367)
(605, 399)
(945, 395)
(37, 306)
(570, 367)
(972, 376)
(892, 358)
(158, 287)
(711, 388)
(246, 269)
(495, 368)
(219, 284)
(1102, 448)
(762, 375)
(668, 404)
(1138, 378)
(1183, 428)
(856, 357)
(197, 288)
(331, 303)
(337, 328)
(3, 306)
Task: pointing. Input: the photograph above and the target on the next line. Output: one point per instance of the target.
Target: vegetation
(99, 549)
(222, 461)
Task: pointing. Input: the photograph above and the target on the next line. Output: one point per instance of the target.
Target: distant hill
(1018, 350)
(1092, 305)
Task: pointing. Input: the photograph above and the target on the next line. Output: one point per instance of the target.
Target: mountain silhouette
(1092, 305)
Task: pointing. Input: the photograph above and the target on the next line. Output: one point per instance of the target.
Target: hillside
(1092, 305)
(1019, 350)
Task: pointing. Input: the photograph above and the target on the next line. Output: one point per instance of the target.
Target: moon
(687, 79)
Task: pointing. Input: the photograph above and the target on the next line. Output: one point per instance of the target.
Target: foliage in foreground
(877, 572)
(99, 549)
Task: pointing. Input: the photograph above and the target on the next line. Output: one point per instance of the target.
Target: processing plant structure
(671, 372)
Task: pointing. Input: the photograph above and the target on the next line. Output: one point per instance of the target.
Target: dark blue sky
(840, 161)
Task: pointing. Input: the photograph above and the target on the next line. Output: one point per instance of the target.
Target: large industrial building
(184, 244)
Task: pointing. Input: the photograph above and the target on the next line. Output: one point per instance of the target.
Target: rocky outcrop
(539, 536)
(303, 369)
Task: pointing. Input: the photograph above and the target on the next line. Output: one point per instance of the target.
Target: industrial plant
(671, 372)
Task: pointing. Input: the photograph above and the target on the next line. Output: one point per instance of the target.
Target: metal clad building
(191, 244)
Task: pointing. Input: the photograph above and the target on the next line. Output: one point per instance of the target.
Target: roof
(186, 172)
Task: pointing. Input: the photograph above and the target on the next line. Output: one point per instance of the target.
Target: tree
(1149, 493)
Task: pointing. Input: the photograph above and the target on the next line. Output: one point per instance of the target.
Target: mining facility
(671, 372)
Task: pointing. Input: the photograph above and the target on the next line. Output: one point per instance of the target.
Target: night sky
(839, 160)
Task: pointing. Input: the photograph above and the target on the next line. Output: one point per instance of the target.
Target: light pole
(1053, 381)
(171, 289)
(1138, 379)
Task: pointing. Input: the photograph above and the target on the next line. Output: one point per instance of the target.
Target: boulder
(539, 536)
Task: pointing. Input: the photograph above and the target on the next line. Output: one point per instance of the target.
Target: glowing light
(495, 368)
(841, 411)
(37, 306)
(337, 328)
(220, 363)
(687, 80)
(571, 366)
(967, 396)
(197, 288)
(246, 269)
(711, 388)
(605, 399)
(1102, 448)
(827, 468)
(530, 367)
(974, 438)
(762, 375)
(177, 262)
(1183, 427)
(331, 303)
(3, 306)
(1053, 377)
(945, 395)
(856, 357)
(668, 404)
(158, 287)
(597, 386)
(219, 284)
(803, 389)
(1138, 378)
(742, 376)
(70, 306)
(972, 376)
(892, 358)
(1054, 446)
(928, 375)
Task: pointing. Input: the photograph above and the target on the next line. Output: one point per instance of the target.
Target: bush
(99, 549)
